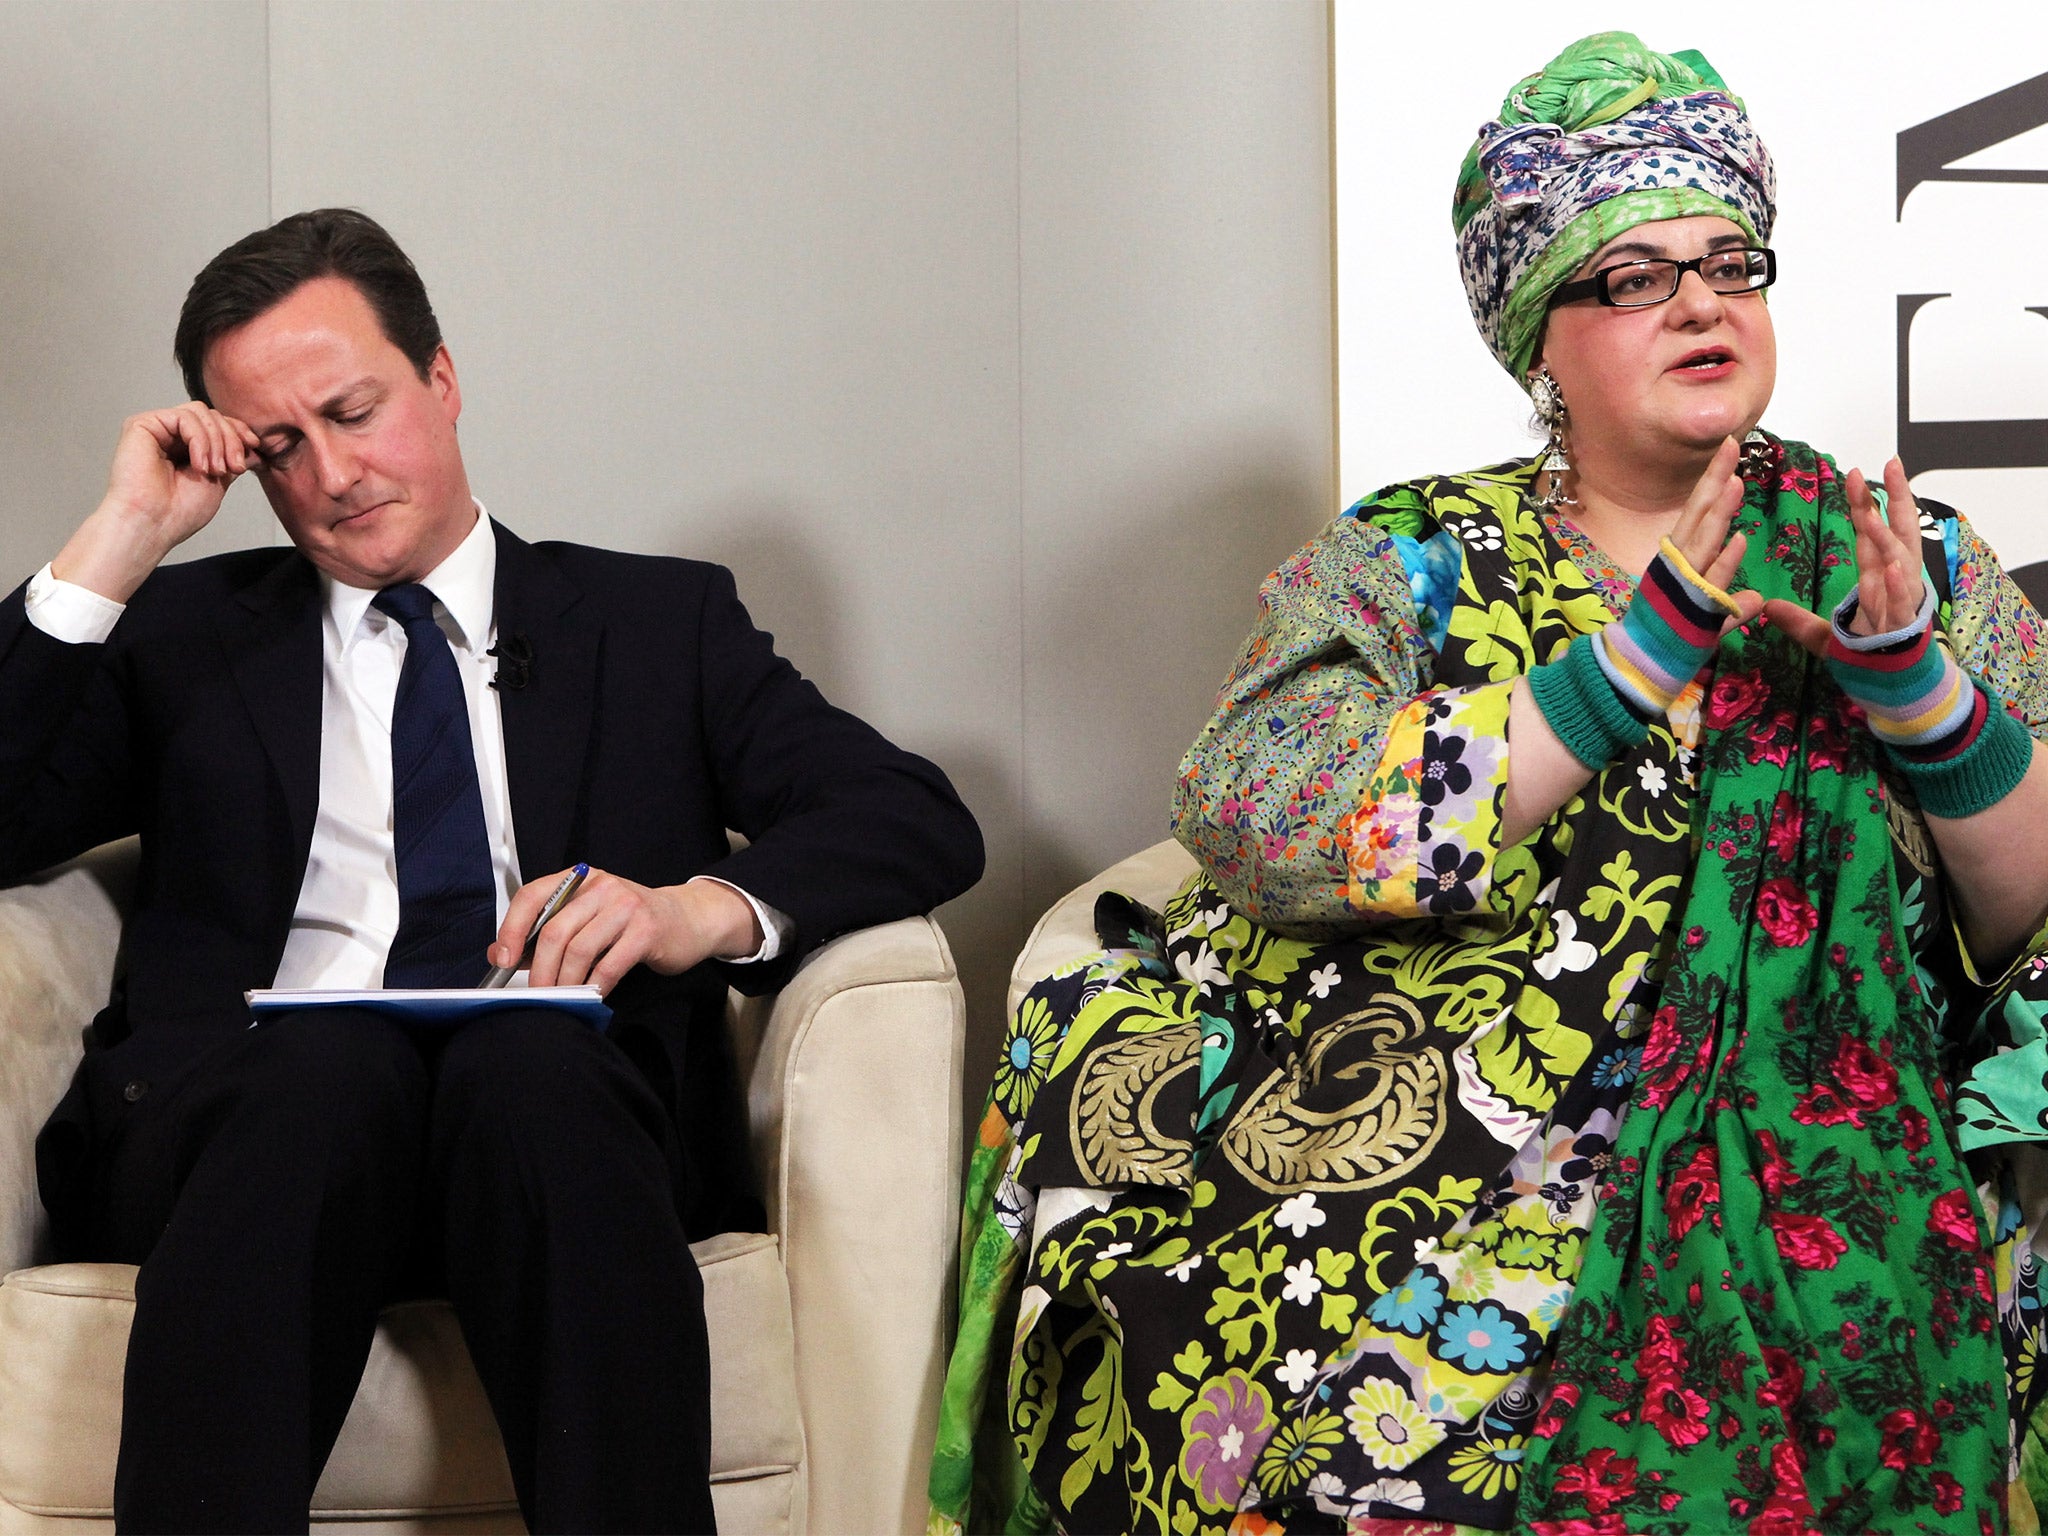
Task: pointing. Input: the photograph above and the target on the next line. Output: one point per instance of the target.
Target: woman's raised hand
(1599, 698)
(1701, 533)
(1890, 569)
(1891, 574)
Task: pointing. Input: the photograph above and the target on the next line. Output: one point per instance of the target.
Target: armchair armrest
(58, 936)
(854, 1096)
(1067, 930)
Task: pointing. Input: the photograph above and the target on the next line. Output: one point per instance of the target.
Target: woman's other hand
(1978, 818)
(1891, 575)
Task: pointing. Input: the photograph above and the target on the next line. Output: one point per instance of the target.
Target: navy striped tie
(447, 906)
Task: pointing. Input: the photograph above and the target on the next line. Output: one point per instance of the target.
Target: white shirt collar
(465, 583)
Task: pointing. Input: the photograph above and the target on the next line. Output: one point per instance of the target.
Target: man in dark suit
(366, 760)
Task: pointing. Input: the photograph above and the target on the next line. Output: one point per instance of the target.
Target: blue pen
(500, 974)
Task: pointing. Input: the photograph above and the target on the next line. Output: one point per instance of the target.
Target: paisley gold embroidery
(1909, 833)
(1372, 1136)
(1113, 1116)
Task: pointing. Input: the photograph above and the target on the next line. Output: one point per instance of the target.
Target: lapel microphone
(515, 663)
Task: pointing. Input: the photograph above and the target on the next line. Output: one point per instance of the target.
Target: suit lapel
(271, 634)
(547, 714)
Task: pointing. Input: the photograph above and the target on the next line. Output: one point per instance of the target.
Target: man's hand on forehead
(171, 468)
(196, 437)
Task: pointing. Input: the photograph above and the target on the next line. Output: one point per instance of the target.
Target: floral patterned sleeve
(1996, 634)
(1997, 637)
(1313, 795)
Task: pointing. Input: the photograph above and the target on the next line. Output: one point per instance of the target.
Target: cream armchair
(828, 1334)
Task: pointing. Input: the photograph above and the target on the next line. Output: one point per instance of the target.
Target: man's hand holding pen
(611, 925)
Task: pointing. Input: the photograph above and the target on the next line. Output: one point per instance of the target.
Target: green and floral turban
(1608, 136)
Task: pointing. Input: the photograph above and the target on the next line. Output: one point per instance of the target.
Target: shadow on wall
(88, 311)
(787, 588)
(1136, 603)
(54, 435)
(1131, 632)
(986, 927)
(1130, 627)
(792, 591)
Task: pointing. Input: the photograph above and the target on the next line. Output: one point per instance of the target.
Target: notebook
(433, 1007)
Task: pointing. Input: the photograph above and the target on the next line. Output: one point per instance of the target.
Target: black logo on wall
(1928, 152)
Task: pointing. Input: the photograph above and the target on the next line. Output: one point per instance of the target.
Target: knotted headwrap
(1608, 136)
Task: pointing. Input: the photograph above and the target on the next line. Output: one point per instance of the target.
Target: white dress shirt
(347, 912)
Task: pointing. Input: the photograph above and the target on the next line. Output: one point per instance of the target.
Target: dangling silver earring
(1551, 416)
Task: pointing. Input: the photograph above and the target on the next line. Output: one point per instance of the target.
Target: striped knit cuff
(1670, 629)
(1920, 704)
(1942, 729)
(1979, 776)
(1583, 708)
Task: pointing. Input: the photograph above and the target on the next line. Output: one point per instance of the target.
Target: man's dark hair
(261, 270)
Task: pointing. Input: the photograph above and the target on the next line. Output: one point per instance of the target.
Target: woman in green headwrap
(1581, 1088)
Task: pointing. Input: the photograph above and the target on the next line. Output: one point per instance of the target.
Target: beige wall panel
(1178, 438)
(135, 146)
(732, 281)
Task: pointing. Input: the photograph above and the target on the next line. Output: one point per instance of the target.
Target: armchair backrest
(1067, 930)
(59, 935)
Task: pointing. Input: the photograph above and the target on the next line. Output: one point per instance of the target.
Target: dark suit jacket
(653, 715)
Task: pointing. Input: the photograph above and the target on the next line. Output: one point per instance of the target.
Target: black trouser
(280, 1188)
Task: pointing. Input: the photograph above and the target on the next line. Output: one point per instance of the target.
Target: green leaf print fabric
(1314, 1223)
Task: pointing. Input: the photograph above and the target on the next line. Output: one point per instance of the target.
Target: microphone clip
(515, 663)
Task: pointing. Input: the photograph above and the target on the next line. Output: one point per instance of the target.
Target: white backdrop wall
(989, 342)
(1832, 86)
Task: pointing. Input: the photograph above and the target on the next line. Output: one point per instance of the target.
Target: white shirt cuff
(71, 613)
(776, 927)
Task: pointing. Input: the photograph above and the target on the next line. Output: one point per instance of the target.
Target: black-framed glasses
(1632, 284)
